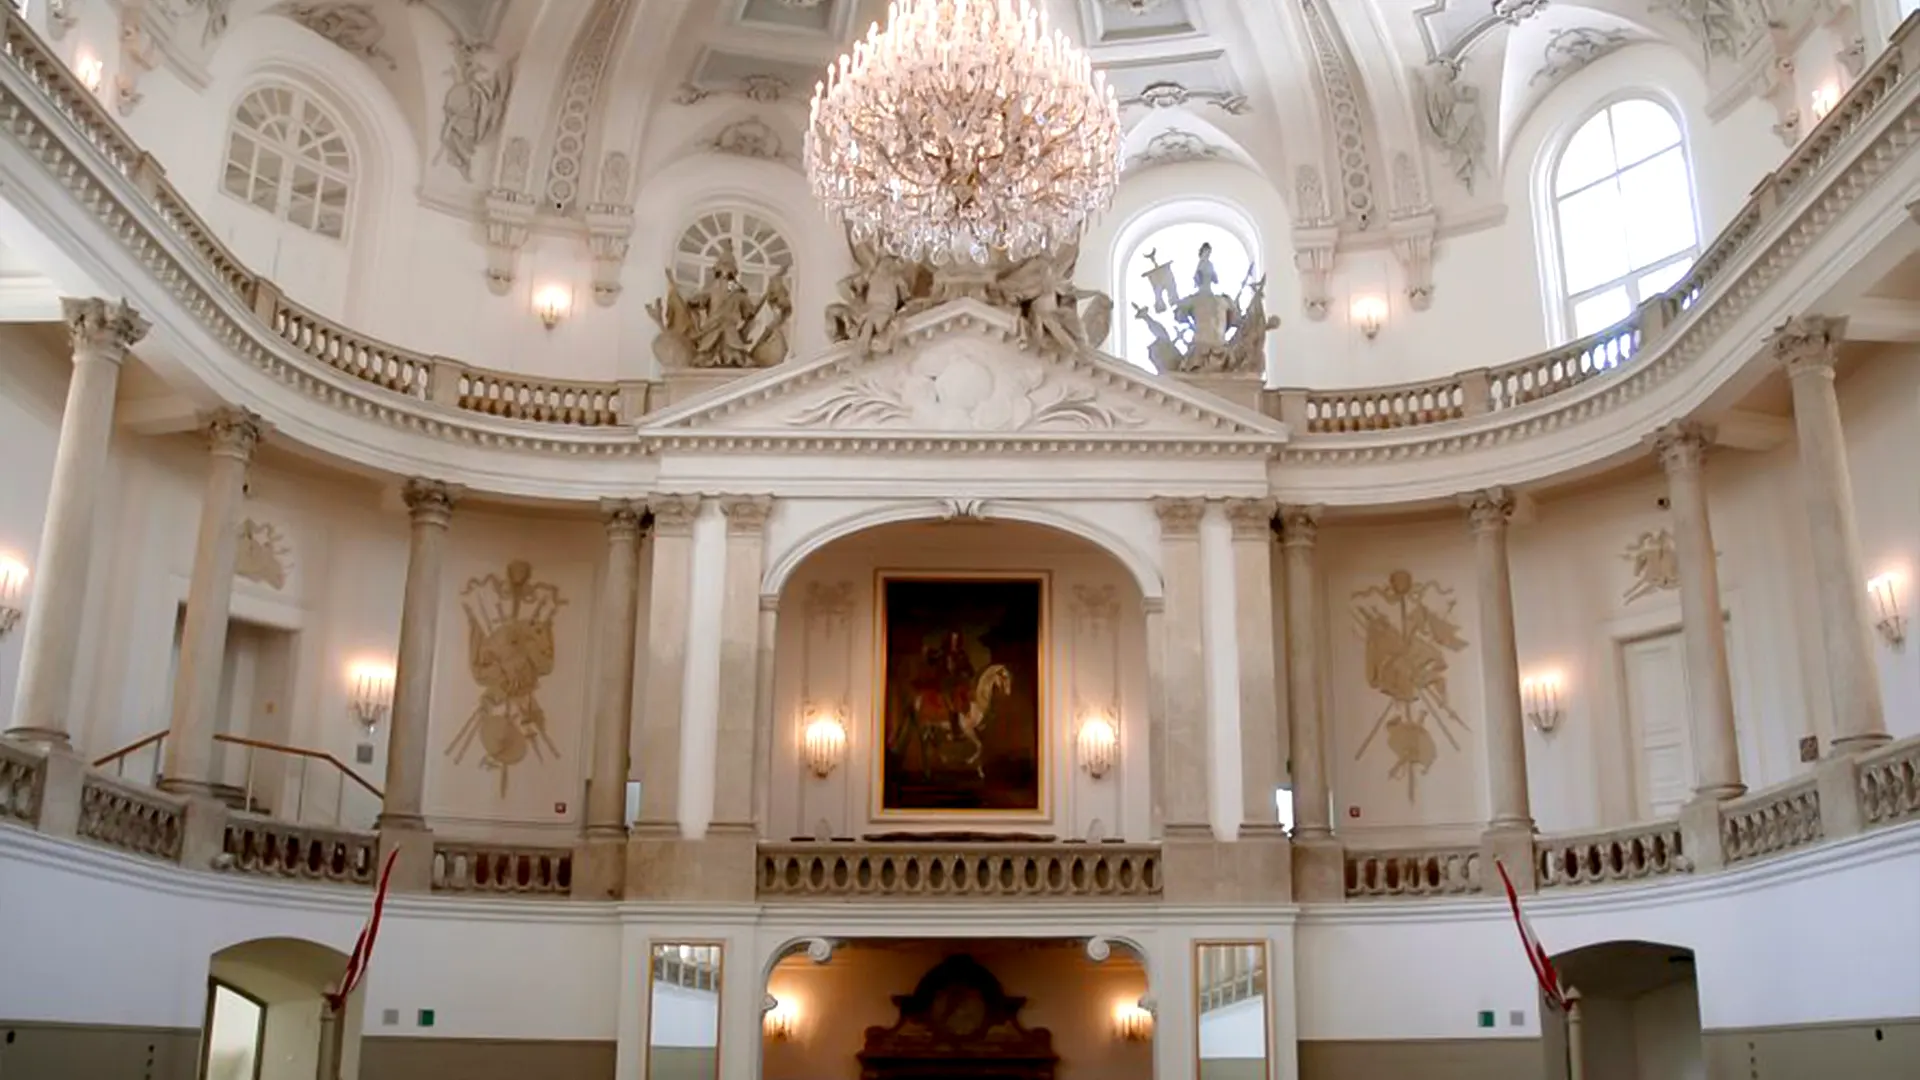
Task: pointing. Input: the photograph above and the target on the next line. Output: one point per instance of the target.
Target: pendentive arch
(1167, 211)
(780, 569)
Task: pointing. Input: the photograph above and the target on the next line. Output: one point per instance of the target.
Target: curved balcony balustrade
(1575, 404)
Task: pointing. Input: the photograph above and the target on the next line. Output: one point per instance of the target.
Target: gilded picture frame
(961, 694)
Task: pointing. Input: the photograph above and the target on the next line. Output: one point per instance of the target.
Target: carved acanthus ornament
(100, 330)
(760, 89)
(723, 325)
(430, 502)
(1171, 147)
(1808, 344)
(1251, 519)
(1179, 516)
(1720, 26)
(1211, 332)
(1055, 316)
(623, 518)
(509, 214)
(1682, 445)
(609, 221)
(234, 433)
(1170, 94)
(353, 27)
(1574, 47)
(1412, 239)
(1488, 510)
(673, 515)
(746, 514)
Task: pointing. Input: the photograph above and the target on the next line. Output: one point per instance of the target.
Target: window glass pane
(1641, 129)
(1588, 157)
(233, 1036)
(1178, 246)
(1596, 313)
(1657, 208)
(1592, 237)
(1659, 281)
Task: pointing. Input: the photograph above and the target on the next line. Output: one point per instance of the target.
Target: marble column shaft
(430, 506)
(100, 333)
(1506, 735)
(1181, 756)
(1260, 755)
(231, 437)
(667, 610)
(1716, 750)
(1299, 531)
(613, 696)
(763, 718)
(1807, 347)
(738, 733)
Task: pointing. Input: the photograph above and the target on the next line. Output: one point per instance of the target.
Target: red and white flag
(1536, 953)
(363, 945)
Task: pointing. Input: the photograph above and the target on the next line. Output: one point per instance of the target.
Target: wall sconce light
(13, 592)
(1540, 698)
(92, 71)
(370, 693)
(1824, 99)
(782, 1020)
(552, 303)
(1132, 1022)
(1369, 313)
(1099, 745)
(1886, 609)
(825, 744)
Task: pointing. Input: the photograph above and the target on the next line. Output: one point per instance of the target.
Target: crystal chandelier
(964, 127)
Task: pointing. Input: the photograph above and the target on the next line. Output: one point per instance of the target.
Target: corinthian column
(1510, 825)
(100, 333)
(1251, 521)
(1299, 530)
(430, 505)
(733, 793)
(1807, 347)
(613, 700)
(231, 437)
(1682, 447)
(1177, 672)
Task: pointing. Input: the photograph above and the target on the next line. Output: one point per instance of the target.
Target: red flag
(1537, 956)
(363, 945)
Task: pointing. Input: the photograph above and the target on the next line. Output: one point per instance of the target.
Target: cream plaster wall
(411, 271)
(1070, 996)
(827, 656)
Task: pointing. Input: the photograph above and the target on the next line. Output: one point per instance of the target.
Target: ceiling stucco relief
(473, 108)
(1724, 28)
(352, 27)
(1451, 28)
(750, 137)
(1353, 148)
(1173, 146)
(1453, 120)
(1574, 47)
(572, 120)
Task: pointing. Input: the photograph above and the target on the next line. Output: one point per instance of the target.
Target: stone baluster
(1682, 448)
(402, 821)
(232, 435)
(1180, 749)
(740, 625)
(1807, 347)
(598, 866)
(100, 334)
(1509, 832)
(1318, 868)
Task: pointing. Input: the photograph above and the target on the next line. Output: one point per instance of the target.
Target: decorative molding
(430, 501)
(1720, 26)
(1353, 149)
(609, 221)
(1252, 519)
(751, 137)
(1168, 94)
(354, 28)
(1412, 241)
(623, 518)
(1452, 119)
(1489, 509)
(1173, 146)
(673, 515)
(1314, 253)
(263, 554)
(761, 89)
(233, 432)
(1300, 525)
(1808, 344)
(1574, 47)
(586, 70)
(1409, 627)
(509, 213)
(102, 330)
(746, 514)
(1682, 445)
(1179, 517)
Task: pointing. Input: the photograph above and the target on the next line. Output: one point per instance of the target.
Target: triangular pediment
(961, 373)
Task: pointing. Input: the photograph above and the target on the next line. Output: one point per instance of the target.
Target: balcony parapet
(934, 869)
(501, 869)
(266, 846)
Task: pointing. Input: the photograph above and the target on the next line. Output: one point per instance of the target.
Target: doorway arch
(1638, 1009)
(266, 1010)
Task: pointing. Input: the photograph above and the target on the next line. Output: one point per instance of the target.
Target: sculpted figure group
(723, 325)
(1210, 332)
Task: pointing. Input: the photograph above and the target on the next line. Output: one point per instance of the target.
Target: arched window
(760, 249)
(1623, 212)
(288, 156)
(1177, 247)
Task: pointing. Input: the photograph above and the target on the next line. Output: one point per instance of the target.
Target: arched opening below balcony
(267, 1018)
(1638, 1012)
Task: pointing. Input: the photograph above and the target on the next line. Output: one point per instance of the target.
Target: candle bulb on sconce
(825, 743)
(1099, 746)
(552, 303)
(13, 592)
(1132, 1022)
(1540, 699)
(1369, 313)
(91, 70)
(782, 1021)
(370, 693)
(1887, 619)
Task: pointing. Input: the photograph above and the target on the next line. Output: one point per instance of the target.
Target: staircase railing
(118, 759)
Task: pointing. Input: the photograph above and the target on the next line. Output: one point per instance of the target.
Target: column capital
(1252, 519)
(1300, 525)
(622, 517)
(746, 514)
(102, 329)
(234, 433)
(1808, 344)
(1488, 509)
(1682, 445)
(1179, 517)
(673, 514)
(769, 601)
(430, 502)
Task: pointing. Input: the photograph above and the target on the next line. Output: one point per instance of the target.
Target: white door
(1655, 669)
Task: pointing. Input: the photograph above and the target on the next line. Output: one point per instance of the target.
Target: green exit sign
(1486, 1017)
(426, 1018)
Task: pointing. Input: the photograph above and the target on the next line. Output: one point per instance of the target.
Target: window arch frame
(352, 178)
(1556, 299)
(750, 277)
(1132, 235)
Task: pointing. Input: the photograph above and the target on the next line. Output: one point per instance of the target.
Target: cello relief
(509, 650)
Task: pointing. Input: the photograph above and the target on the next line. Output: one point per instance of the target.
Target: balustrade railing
(1414, 872)
(261, 845)
(1889, 783)
(23, 776)
(130, 818)
(1604, 857)
(146, 754)
(141, 188)
(502, 869)
(1079, 871)
(1777, 819)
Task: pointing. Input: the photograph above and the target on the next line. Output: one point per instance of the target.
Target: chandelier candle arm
(963, 128)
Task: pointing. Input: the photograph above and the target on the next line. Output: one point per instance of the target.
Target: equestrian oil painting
(962, 691)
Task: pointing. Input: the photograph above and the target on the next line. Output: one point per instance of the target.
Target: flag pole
(1576, 1038)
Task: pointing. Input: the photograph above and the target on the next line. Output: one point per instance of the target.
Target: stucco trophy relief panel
(967, 384)
(263, 555)
(510, 649)
(1655, 566)
(1409, 628)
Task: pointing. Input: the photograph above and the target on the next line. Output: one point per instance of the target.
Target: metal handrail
(118, 760)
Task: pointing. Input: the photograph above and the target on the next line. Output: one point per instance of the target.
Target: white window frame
(691, 261)
(292, 159)
(1559, 301)
(1127, 247)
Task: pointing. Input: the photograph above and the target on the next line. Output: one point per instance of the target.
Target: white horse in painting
(965, 727)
